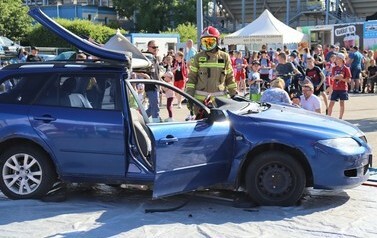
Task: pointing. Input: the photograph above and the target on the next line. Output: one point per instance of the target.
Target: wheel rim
(22, 174)
(275, 181)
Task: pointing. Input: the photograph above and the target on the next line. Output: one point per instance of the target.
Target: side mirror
(216, 114)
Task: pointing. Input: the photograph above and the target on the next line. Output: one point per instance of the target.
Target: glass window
(91, 91)
(164, 104)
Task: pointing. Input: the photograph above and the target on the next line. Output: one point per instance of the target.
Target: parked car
(9, 46)
(66, 55)
(85, 122)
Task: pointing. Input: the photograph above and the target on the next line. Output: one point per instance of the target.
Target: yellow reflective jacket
(211, 72)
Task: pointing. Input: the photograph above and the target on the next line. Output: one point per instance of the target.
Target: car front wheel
(26, 173)
(275, 179)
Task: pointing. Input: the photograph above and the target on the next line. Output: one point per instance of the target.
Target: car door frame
(211, 167)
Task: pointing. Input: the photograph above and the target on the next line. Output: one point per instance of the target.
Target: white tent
(266, 29)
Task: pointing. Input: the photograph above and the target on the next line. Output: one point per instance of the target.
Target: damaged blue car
(85, 121)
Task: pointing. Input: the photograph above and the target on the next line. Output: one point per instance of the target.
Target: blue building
(100, 11)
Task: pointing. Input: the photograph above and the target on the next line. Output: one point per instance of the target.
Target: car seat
(71, 95)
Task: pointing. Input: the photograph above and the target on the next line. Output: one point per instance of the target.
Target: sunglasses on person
(208, 43)
(154, 47)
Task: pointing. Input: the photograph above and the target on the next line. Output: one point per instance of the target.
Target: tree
(14, 20)
(157, 15)
(40, 36)
(186, 31)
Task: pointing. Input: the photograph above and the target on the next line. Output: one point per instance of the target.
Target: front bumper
(336, 170)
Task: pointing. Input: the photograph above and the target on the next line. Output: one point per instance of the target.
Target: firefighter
(211, 71)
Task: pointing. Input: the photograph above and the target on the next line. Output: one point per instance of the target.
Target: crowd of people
(280, 76)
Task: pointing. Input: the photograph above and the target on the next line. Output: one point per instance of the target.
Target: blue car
(87, 122)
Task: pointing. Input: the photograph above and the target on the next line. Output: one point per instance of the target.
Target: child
(169, 78)
(180, 75)
(341, 77)
(240, 65)
(254, 81)
(140, 92)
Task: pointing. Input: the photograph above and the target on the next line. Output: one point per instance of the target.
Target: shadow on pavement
(366, 125)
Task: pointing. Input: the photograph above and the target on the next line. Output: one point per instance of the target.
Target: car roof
(80, 43)
(59, 66)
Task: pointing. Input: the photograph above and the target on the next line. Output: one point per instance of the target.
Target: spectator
(308, 100)
(317, 78)
(169, 93)
(286, 70)
(150, 89)
(341, 76)
(33, 56)
(276, 93)
(190, 53)
(180, 75)
(372, 76)
(254, 81)
(330, 53)
(240, 68)
(356, 60)
(265, 66)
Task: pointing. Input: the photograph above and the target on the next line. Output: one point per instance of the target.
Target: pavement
(361, 110)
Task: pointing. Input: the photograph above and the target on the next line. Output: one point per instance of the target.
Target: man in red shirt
(341, 75)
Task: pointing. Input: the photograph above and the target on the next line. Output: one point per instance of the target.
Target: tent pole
(243, 12)
(255, 10)
(199, 20)
(287, 13)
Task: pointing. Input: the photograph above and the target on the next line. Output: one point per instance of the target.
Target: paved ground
(361, 110)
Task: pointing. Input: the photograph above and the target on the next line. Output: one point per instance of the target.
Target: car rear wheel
(26, 172)
(275, 179)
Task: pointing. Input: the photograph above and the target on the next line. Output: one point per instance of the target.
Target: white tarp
(120, 43)
(266, 29)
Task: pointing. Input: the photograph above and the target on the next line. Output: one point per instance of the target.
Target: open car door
(187, 155)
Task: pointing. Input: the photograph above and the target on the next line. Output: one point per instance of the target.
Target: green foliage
(158, 15)
(14, 20)
(186, 31)
(41, 36)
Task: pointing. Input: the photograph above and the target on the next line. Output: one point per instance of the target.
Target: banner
(349, 35)
(244, 40)
(370, 35)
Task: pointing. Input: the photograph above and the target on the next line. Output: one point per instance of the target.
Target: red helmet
(209, 39)
(210, 31)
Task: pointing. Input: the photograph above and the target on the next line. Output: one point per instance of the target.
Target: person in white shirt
(309, 101)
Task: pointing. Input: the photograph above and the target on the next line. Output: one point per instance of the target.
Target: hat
(293, 54)
(341, 56)
(332, 46)
(255, 62)
(168, 74)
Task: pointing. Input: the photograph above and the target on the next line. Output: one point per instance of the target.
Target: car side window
(89, 91)
(172, 104)
(21, 89)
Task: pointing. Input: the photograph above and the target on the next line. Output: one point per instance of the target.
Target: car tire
(275, 179)
(26, 173)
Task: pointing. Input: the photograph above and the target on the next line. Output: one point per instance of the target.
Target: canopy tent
(266, 29)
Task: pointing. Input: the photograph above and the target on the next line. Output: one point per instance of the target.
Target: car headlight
(347, 145)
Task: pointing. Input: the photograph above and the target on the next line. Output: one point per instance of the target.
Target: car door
(86, 141)
(188, 154)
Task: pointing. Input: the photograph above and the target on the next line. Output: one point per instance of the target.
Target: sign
(370, 35)
(348, 35)
(242, 40)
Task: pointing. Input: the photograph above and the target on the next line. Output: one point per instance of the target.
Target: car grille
(353, 172)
